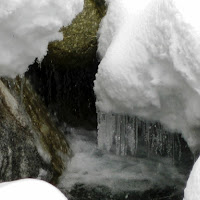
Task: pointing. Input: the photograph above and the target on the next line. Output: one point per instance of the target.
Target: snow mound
(31, 189)
(27, 27)
(94, 168)
(150, 65)
(192, 190)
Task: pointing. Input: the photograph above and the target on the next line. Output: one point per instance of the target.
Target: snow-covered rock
(192, 190)
(30, 189)
(27, 27)
(150, 63)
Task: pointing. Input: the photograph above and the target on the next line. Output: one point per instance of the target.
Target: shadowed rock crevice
(64, 79)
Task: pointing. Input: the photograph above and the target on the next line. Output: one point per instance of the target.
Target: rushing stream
(96, 174)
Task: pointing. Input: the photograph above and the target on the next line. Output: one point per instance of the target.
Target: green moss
(79, 45)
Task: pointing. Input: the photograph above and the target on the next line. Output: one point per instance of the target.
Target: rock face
(30, 144)
(65, 77)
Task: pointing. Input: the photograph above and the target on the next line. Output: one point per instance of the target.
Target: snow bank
(31, 189)
(192, 190)
(27, 27)
(150, 66)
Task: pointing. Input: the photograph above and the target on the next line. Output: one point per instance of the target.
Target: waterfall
(126, 135)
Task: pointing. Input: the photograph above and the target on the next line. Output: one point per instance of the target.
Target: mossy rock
(31, 139)
(78, 48)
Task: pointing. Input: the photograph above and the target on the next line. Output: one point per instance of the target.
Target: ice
(125, 135)
(150, 51)
(27, 27)
(106, 131)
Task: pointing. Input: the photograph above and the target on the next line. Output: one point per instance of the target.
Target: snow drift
(192, 190)
(27, 27)
(150, 64)
(31, 189)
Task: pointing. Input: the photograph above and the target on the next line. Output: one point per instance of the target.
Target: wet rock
(83, 192)
(30, 143)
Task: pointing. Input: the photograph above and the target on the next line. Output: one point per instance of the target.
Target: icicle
(136, 134)
(123, 135)
(105, 131)
(147, 138)
(117, 135)
(131, 136)
(109, 131)
(101, 130)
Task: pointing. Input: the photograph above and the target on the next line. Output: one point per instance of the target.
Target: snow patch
(192, 190)
(31, 189)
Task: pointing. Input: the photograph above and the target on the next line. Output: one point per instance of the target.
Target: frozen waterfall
(125, 135)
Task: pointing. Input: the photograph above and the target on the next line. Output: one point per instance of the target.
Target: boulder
(30, 144)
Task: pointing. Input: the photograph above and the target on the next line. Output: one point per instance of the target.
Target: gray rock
(30, 143)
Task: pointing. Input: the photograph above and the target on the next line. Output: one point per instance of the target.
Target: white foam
(93, 168)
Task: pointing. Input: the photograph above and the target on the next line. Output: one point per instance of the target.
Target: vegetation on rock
(78, 48)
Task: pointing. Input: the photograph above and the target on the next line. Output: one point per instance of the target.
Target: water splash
(93, 167)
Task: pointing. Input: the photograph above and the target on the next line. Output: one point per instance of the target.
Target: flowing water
(125, 164)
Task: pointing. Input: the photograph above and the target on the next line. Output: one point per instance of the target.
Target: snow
(192, 190)
(27, 27)
(150, 51)
(31, 189)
